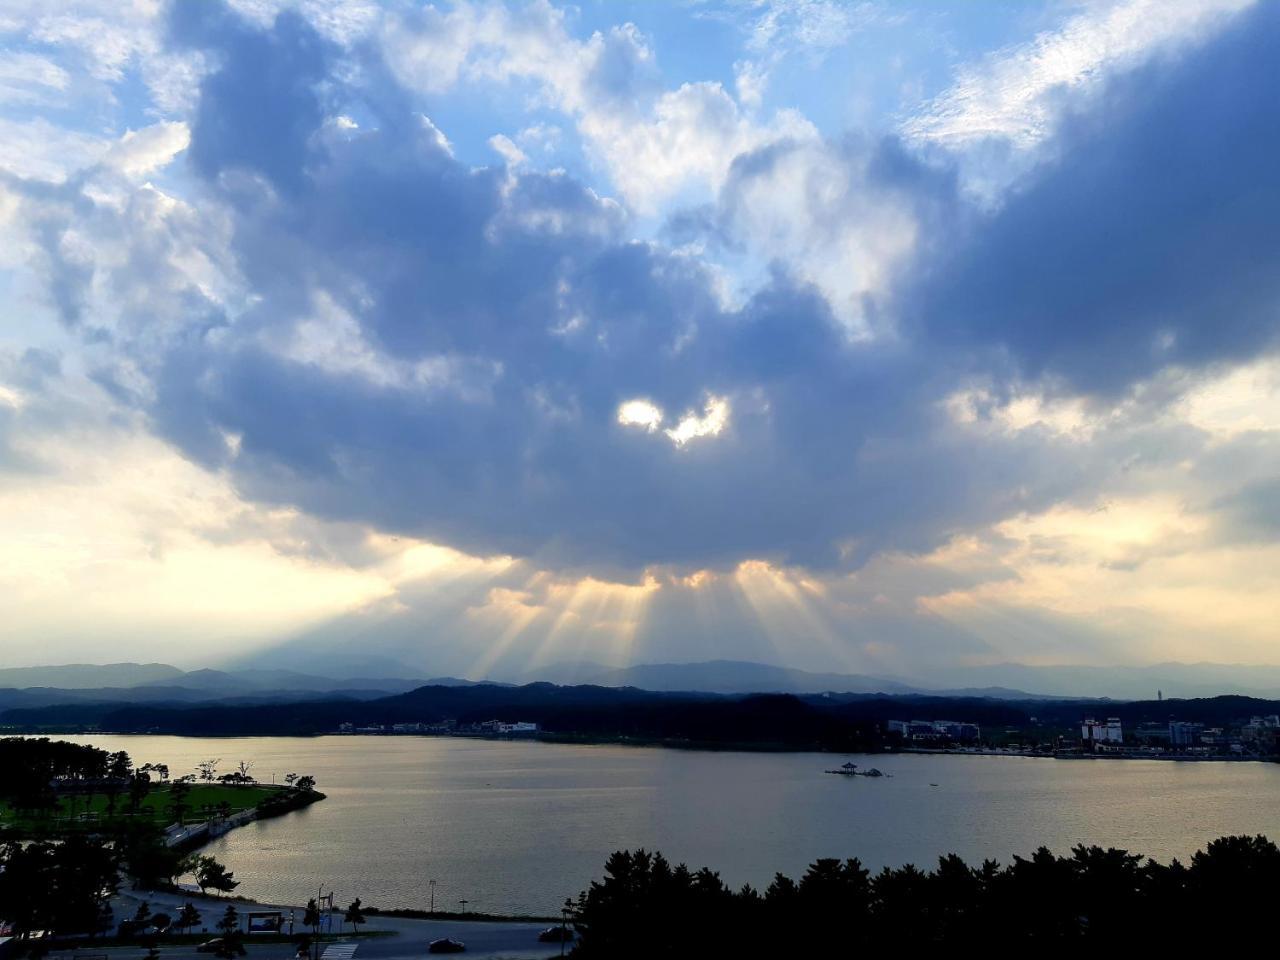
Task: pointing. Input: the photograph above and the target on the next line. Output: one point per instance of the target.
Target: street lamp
(564, 922)
(433, 895)
(463, 904)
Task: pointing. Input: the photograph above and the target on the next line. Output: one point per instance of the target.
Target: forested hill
(844, 721)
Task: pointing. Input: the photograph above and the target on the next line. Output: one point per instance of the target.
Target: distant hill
(266, 681)
(721, 676)
(741, 676)
(1178, 680)
(83, 676)
(158, 683)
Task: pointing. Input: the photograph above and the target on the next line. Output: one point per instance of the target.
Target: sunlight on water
(520, 826)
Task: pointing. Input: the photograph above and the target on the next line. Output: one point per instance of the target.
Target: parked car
(446, 945)
(216, 944)
(556, 934)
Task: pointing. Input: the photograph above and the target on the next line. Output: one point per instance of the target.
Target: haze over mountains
(163, 683)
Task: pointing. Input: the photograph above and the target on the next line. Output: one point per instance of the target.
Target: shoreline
(699, 747)
(389, 913)
(195, 836)
(1032, 755)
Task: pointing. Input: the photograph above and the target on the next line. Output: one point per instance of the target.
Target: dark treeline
(835, 722)
(34, 767)
(60, 864)
(644, 907)
(776, 720)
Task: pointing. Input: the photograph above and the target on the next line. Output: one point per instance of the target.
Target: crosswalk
(339, 951)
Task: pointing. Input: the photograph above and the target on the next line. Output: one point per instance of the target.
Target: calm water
(520, 826)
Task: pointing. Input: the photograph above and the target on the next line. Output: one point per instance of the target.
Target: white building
(1108, 731)
(521, 726)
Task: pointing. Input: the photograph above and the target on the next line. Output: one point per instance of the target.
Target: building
(954, 730)
(1094, 732)
(1260, 728)
(520, 726)
(1153, 734)
(507, 729)
(1184, 734)
(949, 730)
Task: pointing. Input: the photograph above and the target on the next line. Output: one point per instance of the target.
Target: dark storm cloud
(535, 318)
(1152, 238)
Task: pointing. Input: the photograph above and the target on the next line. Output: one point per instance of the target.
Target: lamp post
(433, 895)
(463, 904)
(564, 922)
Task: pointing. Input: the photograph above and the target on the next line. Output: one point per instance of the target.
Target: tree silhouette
(210, 874)
(188, 917)
(354, 915)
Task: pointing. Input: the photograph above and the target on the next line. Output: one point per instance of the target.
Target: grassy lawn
(201, 802)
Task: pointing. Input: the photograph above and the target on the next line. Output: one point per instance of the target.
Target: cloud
(1146, 244)
(657, 145)
(829, 411)
(442, 351)
(1012, 100)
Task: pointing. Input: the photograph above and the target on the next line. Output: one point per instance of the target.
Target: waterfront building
(1094, 732)
(953, 730)
(1184, 734)
(948, 730)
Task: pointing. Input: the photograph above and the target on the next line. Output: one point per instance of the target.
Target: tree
(119, 765)
(178, 794)
(139, 787)
(229, 926)
(230, 921)
(118, 773)
(148, 860)
(311, 917)
(289, 778)
(208, 769)
(188, 917)
(354, 915)
(242, 768)
(210, 874)
(306, 784)
(105, 920)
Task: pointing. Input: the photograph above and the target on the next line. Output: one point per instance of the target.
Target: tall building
(1101, 731)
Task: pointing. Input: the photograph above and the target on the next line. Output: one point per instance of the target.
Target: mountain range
(245, 683)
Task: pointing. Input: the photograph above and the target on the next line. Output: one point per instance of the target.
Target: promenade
(402, 939)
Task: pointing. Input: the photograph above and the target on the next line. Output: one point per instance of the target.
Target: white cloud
(714, 418)
(1241, 400)
(656, 145)
(144, 151)
(505, 147)
(816, 208)
(30, 79)
(686, 143)
(40, 150)
(641, 413)
(1015, 94)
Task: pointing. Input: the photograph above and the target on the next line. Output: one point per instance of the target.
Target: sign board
(266, 922)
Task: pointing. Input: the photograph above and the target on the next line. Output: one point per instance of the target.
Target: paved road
(409, 938)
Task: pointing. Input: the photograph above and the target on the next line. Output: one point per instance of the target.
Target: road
(408, 938)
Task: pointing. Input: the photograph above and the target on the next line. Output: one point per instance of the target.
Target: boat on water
(851, 770)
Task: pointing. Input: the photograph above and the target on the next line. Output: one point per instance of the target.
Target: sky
(476, 338)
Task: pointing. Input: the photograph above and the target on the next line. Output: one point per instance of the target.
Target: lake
(518, 826)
